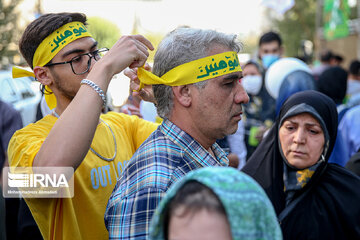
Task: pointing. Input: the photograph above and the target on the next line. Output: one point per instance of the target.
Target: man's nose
(241, 96)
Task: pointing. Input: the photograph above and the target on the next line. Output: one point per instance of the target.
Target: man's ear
(43, 75)
(182, 95)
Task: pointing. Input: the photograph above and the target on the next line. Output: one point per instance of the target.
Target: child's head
(196, 212)
(215, 203)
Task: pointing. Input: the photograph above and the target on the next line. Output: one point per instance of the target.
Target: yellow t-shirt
(81, 217)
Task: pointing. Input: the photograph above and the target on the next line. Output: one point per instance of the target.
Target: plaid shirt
(165, 157)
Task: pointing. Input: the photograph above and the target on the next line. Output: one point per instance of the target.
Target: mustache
(238, 111)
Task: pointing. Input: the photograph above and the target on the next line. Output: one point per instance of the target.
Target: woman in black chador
(313, 199)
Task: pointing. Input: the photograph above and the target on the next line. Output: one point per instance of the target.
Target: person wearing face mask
(270, 48)
(260, 111)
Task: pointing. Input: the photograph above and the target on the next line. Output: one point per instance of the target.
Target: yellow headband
(195, 71)
(49, 47)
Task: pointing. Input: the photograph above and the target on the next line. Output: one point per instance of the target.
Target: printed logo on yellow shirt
(101, 176)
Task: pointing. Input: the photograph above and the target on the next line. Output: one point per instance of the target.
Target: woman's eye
(289, 128)
(312, 131)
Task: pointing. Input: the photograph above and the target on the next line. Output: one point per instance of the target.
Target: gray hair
(181, 46)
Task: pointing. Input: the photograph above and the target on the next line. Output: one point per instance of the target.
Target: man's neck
(353, 77)
(186, 125)
(61, 104)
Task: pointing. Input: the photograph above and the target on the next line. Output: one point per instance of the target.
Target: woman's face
(200, 225)
(302, 140)
(251, 70)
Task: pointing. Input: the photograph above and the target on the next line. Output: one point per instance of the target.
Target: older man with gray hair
(196, 83)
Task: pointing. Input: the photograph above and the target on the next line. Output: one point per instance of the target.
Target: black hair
(354, 67)
(270, 37)
(195, 196)
(326, 56)
(42, 27)
(252, 62)
(333, 83)
(338, 58)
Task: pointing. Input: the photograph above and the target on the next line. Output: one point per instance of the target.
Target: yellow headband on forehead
(195, 71)
(49, 47)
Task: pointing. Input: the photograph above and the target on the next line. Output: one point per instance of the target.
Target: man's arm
(129, 218)
(69, 140)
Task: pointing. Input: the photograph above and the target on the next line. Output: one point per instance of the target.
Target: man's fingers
(142, 48)
(143, 40)
(131, 73)
(134, 86)
(147, 67)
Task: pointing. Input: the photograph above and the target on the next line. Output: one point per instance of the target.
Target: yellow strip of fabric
(304, 176)
(195, 71)
(49, 47)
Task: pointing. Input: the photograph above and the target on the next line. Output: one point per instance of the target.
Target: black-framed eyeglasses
(81, 63)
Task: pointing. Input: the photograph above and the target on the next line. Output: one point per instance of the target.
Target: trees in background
(295, 26)
(9, 32)
(104, 31)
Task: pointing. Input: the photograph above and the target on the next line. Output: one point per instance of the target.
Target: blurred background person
(10, 121)
(215, 203)
(259, 112)
(333, 83)
(237, 147)
(286, 77)
(337, 60)
(352, 97)
(132, 106)
(325, 62)
(354, 163)
(349, 130)
(234, 146)
(270, 48)
(353, 83)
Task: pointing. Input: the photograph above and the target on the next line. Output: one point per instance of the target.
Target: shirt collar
(192, 147)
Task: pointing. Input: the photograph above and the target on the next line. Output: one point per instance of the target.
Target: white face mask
(252, 84)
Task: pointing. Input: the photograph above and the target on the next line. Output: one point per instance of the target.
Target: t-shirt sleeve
(142, 130)
(136, 128)
(23, 147)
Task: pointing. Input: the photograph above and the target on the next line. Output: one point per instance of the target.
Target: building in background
(343, 16)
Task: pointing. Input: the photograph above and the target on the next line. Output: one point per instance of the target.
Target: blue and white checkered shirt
(165, 157)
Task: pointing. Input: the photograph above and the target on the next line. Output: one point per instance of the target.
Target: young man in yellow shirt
(65, 59)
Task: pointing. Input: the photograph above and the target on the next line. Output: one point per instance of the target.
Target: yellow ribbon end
(18, 72)
(50, 98)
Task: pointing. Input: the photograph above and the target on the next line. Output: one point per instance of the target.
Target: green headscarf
(249, 211)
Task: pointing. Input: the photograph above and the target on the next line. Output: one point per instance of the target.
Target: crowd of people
(265, 149)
